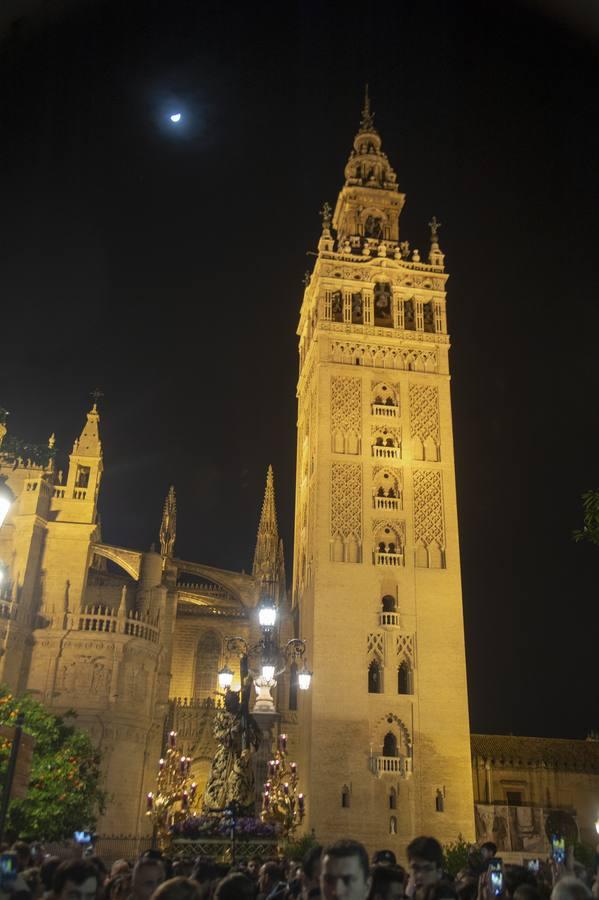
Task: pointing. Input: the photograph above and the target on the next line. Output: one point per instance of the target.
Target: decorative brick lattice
(346, 404)
(404, 648)
(375, 645)
(424, 412)
(429, 526)
(346, 500)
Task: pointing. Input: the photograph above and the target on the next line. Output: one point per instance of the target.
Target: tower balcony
(386, 452)
(388, 503)
(391, 765)
(389, 620)
(388, 559)
(383, 409)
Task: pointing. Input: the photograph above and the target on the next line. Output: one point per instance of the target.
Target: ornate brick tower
(384, 733)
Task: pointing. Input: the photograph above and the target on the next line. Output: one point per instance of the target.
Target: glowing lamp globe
(267, 614)
(268, 672)
(225, 678)
(597, 826)
(304, 680)
(7, 498)
(176, 117)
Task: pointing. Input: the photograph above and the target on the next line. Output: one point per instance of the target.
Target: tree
(64, 788)
(457, 855)
(590, 529)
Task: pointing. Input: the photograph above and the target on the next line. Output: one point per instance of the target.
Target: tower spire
(168, 526)
(267, 543)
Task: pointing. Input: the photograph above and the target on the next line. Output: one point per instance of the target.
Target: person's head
(384, 858)
(49, 867)
(570, 888)
(236, 887)
(148, 875)
(388, 882)
(345, 873)
(253, 867)
(437, 890)
(182, 868)
(203, 870)
(527, 892)
(76, 880)
(118, 887)
(32, 879)
(119, 867)
(425, 858)
(311, 865)
(514, 877)
(23, 851)
(178, 889)
(269, 876)
(488, 851)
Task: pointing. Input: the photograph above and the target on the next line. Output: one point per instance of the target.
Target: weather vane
(95, 395)
(434, 227)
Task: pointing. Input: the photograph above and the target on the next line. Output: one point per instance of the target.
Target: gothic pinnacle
(265, 556)
(367, 120)
(168, 526)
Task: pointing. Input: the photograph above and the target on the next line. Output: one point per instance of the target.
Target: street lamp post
(265, 659)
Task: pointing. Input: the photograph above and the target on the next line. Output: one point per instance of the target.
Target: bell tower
(384, 733)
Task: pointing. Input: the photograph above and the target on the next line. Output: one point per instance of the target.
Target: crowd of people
(341, 870)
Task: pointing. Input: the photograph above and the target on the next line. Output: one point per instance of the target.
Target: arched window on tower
(440, 801)
(404, 678)
(392, 799)
(389, 604)
(345, 797)
(390, 744)
(375, 678)
(207, 665)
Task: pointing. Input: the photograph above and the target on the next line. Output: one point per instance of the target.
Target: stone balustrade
(389, 619)
(103, 619)
(383, 409)
(386, 452)
(386, 503)
(391, 765)
(388, 559)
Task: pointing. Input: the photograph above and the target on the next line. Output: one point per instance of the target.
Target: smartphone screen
(496, 876)
(82, 837)
(8, 866)
(558, 846)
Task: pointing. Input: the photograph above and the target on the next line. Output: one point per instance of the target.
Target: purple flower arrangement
(247, 827)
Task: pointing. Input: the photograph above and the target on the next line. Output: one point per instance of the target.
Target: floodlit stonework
(384, 735)
(133, 640)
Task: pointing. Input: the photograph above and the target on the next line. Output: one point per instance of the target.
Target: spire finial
(367, 120)
(267, 544)
(168, 526)
(327, 216)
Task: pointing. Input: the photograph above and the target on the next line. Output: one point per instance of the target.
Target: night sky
(164, 266)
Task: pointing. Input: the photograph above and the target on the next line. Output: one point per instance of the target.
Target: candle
(160, 764)
(193, 790)
(300, 803)
(185, 800)
(277, 763)
(182, 765)
(286, 788)
(283, 742)
(150, 802)
(293, 768)
(171, 738)
(188, 764)
(271, 767)
(267, 801)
